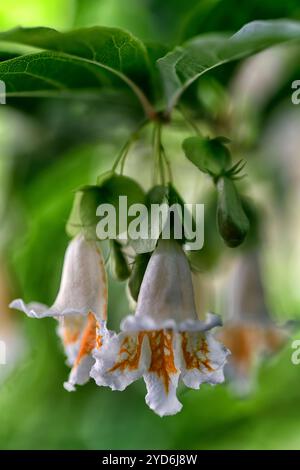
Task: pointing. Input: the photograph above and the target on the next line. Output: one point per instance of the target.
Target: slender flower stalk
(80, 307)
(164, 341)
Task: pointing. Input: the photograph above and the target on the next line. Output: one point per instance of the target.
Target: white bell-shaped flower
(164, 341)
(249, 330)
(80, 307)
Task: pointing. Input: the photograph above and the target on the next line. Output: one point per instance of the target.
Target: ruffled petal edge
(135, 323)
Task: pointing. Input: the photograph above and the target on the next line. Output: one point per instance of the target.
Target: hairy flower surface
(164, 341)
(80, 307)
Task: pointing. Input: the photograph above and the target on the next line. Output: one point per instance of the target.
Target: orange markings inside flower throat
(71, 329)
(88, 340)
(195, 351)
(162, 359)
(162, 355)
(129, 353)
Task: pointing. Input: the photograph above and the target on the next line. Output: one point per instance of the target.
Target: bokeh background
(50, 147)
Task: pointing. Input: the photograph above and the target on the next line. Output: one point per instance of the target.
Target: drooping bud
(233, 223)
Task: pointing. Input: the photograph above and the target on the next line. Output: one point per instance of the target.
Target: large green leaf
(182, 66)
(85, 58)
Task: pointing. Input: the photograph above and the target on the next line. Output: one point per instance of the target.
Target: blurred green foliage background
(49, 148)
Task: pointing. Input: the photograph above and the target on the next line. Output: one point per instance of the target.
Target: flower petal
(32, 310)
(149, 323)
(203, 359)
(163, 374)
(83, 286)
(38, 310)
(80, 372)
(211, 321)
(70, 329)
(121, 360)
(166, 292)
(146, 323)
(163, 402)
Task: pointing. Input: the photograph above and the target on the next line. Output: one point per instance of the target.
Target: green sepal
(110, 186)
(158, 194)
(118, 262)
(137, 274)
(209, 155)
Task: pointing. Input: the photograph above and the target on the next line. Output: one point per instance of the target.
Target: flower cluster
(164, 342)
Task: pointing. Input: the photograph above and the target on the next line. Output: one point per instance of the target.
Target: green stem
(167, 163)
(126, 147)
(124, 150)
(123, 160)
(159, 170)
(155, 155)
(160, 157)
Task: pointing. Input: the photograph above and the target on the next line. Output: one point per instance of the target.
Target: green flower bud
(119, 266)
(233, 223)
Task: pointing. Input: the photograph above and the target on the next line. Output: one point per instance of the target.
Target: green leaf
(182, 66)
(232, 221)
(209, 155)
(87, 58)
(200, 13)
